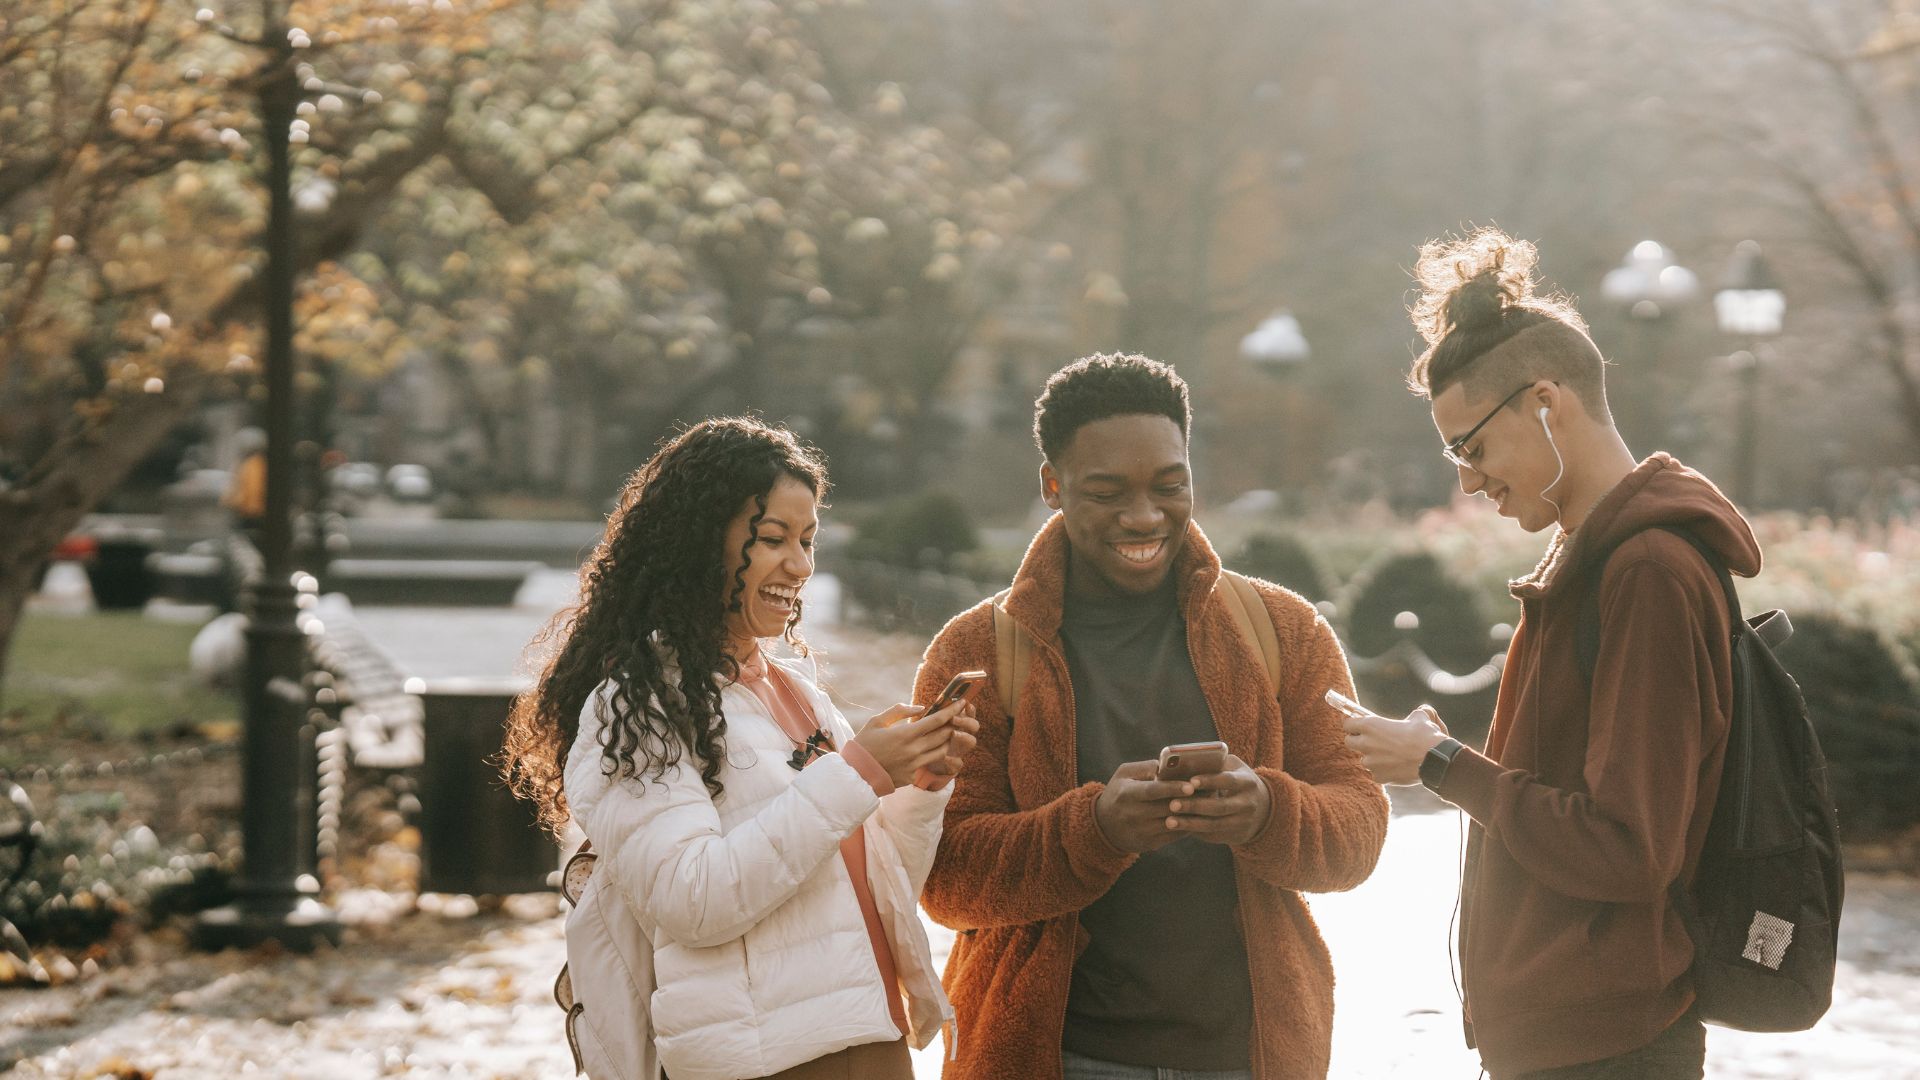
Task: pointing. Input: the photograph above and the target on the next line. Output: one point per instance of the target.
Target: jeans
(1077, 1067)
(1678, 1053)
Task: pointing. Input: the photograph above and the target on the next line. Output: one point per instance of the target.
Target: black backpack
(1764, 909)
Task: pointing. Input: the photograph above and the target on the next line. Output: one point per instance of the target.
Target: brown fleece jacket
(1589, 802)
(1022, 854)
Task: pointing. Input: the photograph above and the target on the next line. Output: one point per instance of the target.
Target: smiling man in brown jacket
(1593, 795)
(1112, 925)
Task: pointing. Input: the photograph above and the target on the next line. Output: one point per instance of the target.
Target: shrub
(93, 873)
(923, 530)
(1867, 711)
(1453, 629)
(1282, 559)
(1453, 633)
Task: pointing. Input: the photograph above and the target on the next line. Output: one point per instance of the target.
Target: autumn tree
(658, 200)
(130, 216)
(1816, 115)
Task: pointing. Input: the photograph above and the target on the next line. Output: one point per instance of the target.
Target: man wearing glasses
(1593, 793)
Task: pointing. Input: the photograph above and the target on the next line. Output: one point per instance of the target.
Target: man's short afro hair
(1104, 385)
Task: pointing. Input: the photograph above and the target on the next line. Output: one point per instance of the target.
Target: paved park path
(446, 991)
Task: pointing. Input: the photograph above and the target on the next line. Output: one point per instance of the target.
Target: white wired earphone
(1556, 456)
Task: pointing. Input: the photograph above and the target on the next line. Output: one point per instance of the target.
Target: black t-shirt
(1164, 982)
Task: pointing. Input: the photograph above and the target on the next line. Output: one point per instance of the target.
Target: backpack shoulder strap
(1244, 600)
(1012, 655)
(1588, 640)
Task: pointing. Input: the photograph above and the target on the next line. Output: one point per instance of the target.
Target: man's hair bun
(1471, 283)
(1478, 292)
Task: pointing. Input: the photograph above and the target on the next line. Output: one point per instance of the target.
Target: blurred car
(410, 483)
(359, 479)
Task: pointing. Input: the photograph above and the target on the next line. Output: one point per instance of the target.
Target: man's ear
(1549, 395)
(1049, 485)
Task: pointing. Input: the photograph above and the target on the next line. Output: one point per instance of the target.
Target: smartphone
(962, 687)
(1184, 761)
(1347, 705)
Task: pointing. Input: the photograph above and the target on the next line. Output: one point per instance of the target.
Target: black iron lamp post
(1749, 305)
(277, 891)
(1649, 286)
(1278, 348)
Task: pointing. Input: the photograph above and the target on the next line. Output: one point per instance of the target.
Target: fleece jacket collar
(1037, 600)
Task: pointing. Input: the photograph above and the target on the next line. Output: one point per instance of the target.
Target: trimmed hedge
(1453, 627)
(1453, 633)
(1866, 709)
(925, 531)
(1282, 559)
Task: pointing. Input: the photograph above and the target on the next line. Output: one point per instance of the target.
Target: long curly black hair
(657, 581)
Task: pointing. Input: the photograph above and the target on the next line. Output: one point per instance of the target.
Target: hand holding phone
(963, 687)
(1229, 802)
(904, 740)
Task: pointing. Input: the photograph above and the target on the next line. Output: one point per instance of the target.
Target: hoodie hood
(1659, 491)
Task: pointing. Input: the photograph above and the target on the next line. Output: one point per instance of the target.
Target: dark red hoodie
(1590, 801)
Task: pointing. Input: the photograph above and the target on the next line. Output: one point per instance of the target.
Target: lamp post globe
(1649, 283)
(1277, 346)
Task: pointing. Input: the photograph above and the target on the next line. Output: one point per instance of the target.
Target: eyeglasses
(1455, 451)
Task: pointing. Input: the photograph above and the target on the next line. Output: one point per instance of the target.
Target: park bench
(437, 741)
(429, 582)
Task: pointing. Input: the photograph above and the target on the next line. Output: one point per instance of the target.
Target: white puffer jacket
(721, 938)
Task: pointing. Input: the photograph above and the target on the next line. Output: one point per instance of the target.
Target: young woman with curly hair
(752, 909)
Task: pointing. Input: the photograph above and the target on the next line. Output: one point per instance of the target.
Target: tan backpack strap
(573, 882)
(1243, 600)
(574, 875)
(1012, 655)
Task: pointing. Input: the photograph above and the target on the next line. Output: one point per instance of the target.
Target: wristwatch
(1433, 767)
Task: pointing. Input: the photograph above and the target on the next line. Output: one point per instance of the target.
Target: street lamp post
(276, 895)
(1749, 305)
(1278, 348)
(1649, 285)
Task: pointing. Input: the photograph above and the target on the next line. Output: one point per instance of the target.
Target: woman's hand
(965, 735)
(903, 741)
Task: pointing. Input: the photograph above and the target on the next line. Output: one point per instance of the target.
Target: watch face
(1433, 767)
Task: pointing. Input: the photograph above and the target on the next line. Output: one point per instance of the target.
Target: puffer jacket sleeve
(1329, 818)
(912, 816)
(702, 887)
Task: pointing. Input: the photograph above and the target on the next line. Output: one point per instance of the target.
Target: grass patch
(105, 675)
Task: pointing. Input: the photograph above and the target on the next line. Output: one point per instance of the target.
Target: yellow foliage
(154, 205)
